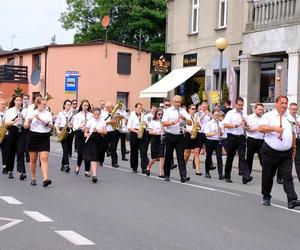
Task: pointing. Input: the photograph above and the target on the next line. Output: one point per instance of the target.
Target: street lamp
(279, 70)
(221, 44)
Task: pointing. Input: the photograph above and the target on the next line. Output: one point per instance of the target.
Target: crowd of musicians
(190, 132)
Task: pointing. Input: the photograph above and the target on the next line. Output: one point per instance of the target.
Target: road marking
(12, 223)
(285, 208)
(37, 216)
(10, 200)
(75, 238)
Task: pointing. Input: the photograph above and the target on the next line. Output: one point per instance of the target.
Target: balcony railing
(12, 73)
(265, 14)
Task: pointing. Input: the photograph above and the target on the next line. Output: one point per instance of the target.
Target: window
(195, 16)
(36, 61)
(223, 13)
(124, 63)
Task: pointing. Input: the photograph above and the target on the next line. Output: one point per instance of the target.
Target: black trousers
(67, 148)
(297, 159)
(211, 146)
(112, 140)
(123, 143)
(137, 145)
(3, 147)
(253, 146)
(236, 143)
(174, 142)
(16, 143)
(283, 161)
(80, 140)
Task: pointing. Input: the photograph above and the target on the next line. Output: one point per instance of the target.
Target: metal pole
(106, 42)
(220, 78)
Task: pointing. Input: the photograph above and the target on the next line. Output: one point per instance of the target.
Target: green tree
(18, 91)
(225, 93)
(129, 20)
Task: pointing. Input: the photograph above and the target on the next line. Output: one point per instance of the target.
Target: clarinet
(244, 125)
(219, 132)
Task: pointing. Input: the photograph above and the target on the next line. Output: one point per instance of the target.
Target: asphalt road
(132, 211)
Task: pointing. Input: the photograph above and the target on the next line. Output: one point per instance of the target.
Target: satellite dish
(35, 76)
(105, 21)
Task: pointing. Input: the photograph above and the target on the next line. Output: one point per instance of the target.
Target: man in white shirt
(123, 133)
(279, 149)
(293, 109)
(236, 121)
(173, 120)
(255, 139)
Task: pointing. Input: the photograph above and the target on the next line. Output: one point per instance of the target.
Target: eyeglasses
(193, 108)
(159, 114)
(74, 103)
(167, 105)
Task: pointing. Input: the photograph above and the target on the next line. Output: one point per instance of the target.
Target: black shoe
(134, 171)
(127, 152)
(94, 179)
(62, 168)
(27, 158)
(10, 175)
(221, 177)
(266, 202)
(161, 176)
(212, 167)
(199, 174)
(33, 183)
(174, 166)
(167, 178)
(87, 175)
(280, 181)
(4, 171)
(207, 175)
(46, 183)
(147, 172)
(144, 171)
(77, 171)
(100, 164)
(246, 180)
(124, 159)
(22, 176)
(115, 165)
(293, 203)
(184, 179)
(67, 169)
(108, 154)
(228, 180)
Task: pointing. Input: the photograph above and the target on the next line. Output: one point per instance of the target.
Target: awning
(169, 82)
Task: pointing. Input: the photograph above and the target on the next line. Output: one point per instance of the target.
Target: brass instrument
(65, 131)
(195, 129)
(48, 97)
(141, 128)
(117, 117)
(3, 131)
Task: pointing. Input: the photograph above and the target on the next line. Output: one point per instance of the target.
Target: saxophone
(142, 127)
(3, 131)
(195, 129)
(65, 131)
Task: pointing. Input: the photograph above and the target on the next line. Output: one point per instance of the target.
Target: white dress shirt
(272, 118)
(254, 121)
(171, 115)
(133, 121)
(156, 127)
(295, 120)
(36, 125)
(123, 128)
(93, 124)
(234, 117)
(12, 113)
(2, 117)
(80, 119)
(63, 117)
(212, 127)
(204, 121)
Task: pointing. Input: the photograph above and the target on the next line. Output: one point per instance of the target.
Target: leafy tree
(129, 20)
(225, 93)
(18, 91)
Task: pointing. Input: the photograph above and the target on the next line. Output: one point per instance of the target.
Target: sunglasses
(159, 114)
(167, 105)
(74, 103)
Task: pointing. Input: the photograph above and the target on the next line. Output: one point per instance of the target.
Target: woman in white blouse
(3, 143)
(157, 143)
(94, 149)
(79, 122)
(39, 122)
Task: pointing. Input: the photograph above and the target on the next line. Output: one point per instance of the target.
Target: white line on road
(285, 208)
(10, 200)
(37, 216)
(75, 238)
(12, 223)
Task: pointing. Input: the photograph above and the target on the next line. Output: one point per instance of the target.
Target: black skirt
(38, 142)
(157, 147)
(193, 143)
(94, 148)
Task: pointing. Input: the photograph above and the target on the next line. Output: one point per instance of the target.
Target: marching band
(274, 136)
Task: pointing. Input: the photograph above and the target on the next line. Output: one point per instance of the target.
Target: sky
(31, 23)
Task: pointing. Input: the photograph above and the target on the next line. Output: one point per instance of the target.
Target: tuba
(195, 129)
(117, 117)
(141, 128)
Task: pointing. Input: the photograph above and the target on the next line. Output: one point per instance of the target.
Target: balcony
(12, 73)
(268, 14)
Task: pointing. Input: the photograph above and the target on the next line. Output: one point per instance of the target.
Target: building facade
(107, 71)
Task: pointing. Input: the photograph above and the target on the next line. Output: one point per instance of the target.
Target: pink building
(108, 71)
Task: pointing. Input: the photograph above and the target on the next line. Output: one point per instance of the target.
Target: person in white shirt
(94, 149)
(236, 123)
(16, 138)
(157, 143)
(64, 118)
(255, 139)
(174, 120)
(193, 144)
(136, 121)
(123, 133)
(79, 122)
(213, 132)
(39, 123)
(293, 109)
(3, 145)
(279, 150)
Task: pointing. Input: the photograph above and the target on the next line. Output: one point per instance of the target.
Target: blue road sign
(71, 81)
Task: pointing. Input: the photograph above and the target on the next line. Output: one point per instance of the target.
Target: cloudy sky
(30, 23)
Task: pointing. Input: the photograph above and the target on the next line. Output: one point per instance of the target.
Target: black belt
(167, 133)
(251, 138)
(239, 136)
